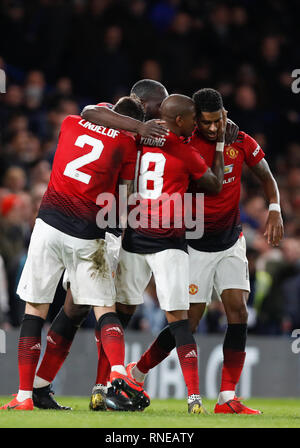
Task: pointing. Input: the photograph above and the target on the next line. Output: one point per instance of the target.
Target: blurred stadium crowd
(61, 55)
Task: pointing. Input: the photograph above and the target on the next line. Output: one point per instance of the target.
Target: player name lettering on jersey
(113, 133)
(229, 180)
(256, 151)
(85, 165)
(153, 141)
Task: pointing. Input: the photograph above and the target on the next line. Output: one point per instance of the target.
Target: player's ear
(179, 120)
(143, 103)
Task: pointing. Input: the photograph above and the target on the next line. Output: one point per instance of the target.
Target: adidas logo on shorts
(36, 347)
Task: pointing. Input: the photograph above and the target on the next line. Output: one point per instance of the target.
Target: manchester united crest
(231, 152)
(193, 289)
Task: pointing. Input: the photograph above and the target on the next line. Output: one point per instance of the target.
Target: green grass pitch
(277, 413)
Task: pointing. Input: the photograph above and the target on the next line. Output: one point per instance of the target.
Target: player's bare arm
(212, 181)
(129, 185)
(218, 163)
(106, 117)
(274, 226)
(129, 189)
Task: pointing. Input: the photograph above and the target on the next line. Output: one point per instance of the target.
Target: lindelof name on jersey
(113, 133)
(147, 141)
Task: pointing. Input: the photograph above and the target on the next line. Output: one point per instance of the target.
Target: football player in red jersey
(151, 93)
(218, 259)
(165, 167)
(89, 159)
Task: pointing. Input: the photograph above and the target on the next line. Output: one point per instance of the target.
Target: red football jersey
(222, 224)
(89, 160)
(164, 169)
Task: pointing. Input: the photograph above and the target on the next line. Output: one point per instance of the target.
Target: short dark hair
(130, 106)
(145, 88)
(207, 100)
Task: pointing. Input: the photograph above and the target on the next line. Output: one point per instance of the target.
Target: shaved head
(179, 112)
(176, 105)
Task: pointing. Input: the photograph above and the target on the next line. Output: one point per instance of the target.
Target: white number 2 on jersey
(156, 175)
(72, 168)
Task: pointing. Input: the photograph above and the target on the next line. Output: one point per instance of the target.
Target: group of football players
(190, 146)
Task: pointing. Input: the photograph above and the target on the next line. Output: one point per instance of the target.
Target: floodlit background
(59, 56)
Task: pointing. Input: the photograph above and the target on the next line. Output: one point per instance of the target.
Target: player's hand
(153, 128)
(232, 131)
(222, 127)
(274, 228)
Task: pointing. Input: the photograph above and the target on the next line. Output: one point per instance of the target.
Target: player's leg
(61, 335)
(114, 399)
(59, 340)
(109, 335)
(37, 286)
(29, 350)
(234, 301)
(171, 273)
(110, 332)
(188, 357)
(200, 288)
(195, 314)
(103, 367)
(91, 284)
(132, 277)
(118, 260)
(112, 340)
(162, 346)
(232, 284)
(154, 355)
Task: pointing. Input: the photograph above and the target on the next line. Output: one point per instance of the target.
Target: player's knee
(238, 313)
(126, 309)
(243, 313)
(77, 313)
(194, 325)
(195, 314)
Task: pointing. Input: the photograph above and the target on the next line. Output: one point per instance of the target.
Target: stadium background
(59, 56)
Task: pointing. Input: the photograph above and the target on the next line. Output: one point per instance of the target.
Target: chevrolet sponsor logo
(228, 169)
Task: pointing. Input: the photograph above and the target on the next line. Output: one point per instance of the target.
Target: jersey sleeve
(128, 167)
(69, 119)
(195, 163)
(253, 152)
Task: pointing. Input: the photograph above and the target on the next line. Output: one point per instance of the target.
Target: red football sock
(152, 357)
(59, 340)
(112, 338)
(187, 353)
(103, 368)
(29, 350)
(188, 358)
(232, 368)
(57, 350)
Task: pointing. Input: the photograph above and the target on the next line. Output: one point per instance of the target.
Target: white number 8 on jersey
(155, 175)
